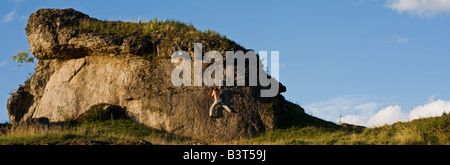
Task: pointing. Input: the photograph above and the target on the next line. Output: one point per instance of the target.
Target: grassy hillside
(425, 131)
(297, 129)
(121, 131)
(96, 126)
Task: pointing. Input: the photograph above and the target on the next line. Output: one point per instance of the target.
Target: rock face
(41, 123)
(19, 103)
(78, 69)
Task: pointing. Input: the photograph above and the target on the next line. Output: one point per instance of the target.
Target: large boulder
(77, 69)
(19, 103)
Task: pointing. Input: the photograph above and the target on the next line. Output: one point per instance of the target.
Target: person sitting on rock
(217, 100)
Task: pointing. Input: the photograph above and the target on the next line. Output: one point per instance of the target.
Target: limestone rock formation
(77, 69)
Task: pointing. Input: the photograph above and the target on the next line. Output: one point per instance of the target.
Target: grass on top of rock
(167, 34)
(120, 29)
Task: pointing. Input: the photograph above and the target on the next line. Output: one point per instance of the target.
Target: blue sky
(350, 58)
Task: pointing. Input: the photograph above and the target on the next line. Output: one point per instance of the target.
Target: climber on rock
(217, 100)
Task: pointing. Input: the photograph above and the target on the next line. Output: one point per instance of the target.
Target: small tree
(23, 57)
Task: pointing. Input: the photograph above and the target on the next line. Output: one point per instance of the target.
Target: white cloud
(366, 106)
(400, 39)
(358, 2)
(354, 119)
(388, 115)
(361, 2)
(3, 63)
(394, 113)
(435, 108)
(364, 110)
(425, 8)
(431, 99)
(15, 1)
(9, 17)
(343, 105)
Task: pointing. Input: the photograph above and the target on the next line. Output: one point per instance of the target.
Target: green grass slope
(121, 131)
(97, 126)
(297, 128)
(303, 129)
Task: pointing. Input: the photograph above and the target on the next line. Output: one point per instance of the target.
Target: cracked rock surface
(76, 70)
